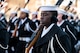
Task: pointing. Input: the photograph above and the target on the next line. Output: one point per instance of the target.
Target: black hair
(64, 17)
(71, 17)
(16, 14)
(55, 13)
(36, 16)
(27, 15)
(2, 14)
(54, 17)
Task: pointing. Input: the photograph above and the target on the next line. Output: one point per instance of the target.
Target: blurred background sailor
(3, 19)
(11, 26)
(67, 27)
(35, 18)
(23, 30)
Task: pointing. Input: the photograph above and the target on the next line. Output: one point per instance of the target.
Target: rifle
(34, 39)
(59, 2)
(16, 28)
(15, 31)
(68, 6)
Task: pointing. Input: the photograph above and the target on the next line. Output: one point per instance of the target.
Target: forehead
(60, 14)
(22, 12)
(46, 12)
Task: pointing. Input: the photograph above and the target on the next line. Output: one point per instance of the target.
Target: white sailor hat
(35, 13)
(61, 11)
(48, 8)
(1, 12)
(13, 12)
(71, 14)
(24, 10)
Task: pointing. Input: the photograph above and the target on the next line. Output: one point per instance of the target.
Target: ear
(54, 19)
(64, 17)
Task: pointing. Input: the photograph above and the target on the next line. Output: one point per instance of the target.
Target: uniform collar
(59, 24)
(34, 20)
(45, 31)
(47, 36)
(23, 20)
(13, 19)
(2, 18)
(70, 20)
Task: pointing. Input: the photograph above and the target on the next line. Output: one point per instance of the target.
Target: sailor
(35, 18)
(51, 38)
(3, 19)
(67, 27)
(71, 18)
(4, 38)
(11, 26)
(24, 29)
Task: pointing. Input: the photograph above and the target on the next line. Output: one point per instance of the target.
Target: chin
(41, 23)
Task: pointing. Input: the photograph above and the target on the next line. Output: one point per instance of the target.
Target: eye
(44, 14)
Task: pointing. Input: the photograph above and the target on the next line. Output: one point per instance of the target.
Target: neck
(24, 18)
(60, 21)
(47, 25)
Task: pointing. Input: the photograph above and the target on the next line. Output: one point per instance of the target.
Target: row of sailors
(25, 28)
(20, 29)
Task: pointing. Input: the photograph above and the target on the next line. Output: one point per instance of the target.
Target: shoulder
(68, 23)
(37, 21)
(60, 32)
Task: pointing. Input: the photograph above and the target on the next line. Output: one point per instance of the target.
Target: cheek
(12, 15)
(59, 17)
(43, 20)
(22, 15)
(33, 15)
(68, 17)
(47, 20)
(0, 15)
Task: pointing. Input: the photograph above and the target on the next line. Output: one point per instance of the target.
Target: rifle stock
(15, 31)
(35, 39)
(16, 27)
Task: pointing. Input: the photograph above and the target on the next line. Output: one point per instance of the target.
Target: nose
(42, 17)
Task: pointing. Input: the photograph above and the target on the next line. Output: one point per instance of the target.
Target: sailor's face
(33, 16)
(45, 17)
(22, 15)
(69, 17)
(12, 15)
(59, 17)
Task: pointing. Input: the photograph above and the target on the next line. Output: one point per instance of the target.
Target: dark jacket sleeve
(4, 36)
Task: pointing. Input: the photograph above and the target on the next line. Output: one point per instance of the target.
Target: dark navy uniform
(71, 31)
(12, 23)
(13, 40)
(54, 41)
(25, 31)
(77, 26)
(72, 22)
(37, 22)
(3, 21)
(4, 38)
